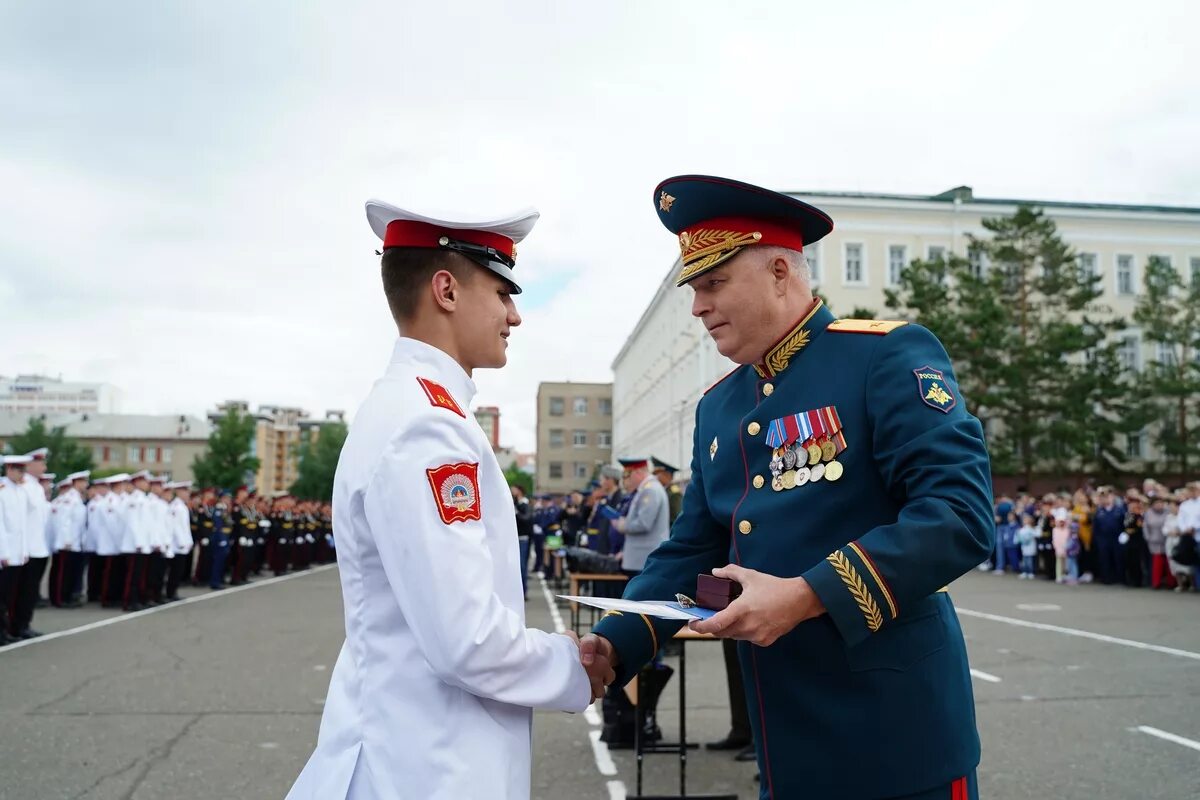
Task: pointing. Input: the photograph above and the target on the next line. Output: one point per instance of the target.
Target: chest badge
(712, 449)
(934, 390)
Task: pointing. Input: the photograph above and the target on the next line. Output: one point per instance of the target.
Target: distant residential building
(278, 433)
(574, 434)
(39, 394)
(162, 443)
(488, 418)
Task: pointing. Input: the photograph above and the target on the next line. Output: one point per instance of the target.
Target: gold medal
(777, 483)
(802, 476)
(816, 473)
(828, 450)
(814, 454)
(833, 470)
(789, 480)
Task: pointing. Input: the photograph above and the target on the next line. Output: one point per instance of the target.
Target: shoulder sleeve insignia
(879, 327)
(439, 397)
(934, 389)
(456, 491)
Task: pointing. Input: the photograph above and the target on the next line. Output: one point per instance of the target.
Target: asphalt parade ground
(1081, 692)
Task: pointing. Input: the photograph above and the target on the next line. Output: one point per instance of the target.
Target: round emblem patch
(458, 492)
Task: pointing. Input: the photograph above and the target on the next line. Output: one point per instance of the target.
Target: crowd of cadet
(1143, 537)
(130, 541)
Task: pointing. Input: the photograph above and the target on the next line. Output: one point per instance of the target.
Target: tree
(227, 463)
(67, 455)
(1028, 354)
(1168, 313)
(318, 463)
(519, 477)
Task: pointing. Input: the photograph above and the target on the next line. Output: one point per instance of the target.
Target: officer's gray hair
(795, 258)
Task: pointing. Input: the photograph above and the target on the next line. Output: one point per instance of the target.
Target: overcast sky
(182, 183)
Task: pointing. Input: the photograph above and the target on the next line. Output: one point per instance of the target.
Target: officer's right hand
(599, 658)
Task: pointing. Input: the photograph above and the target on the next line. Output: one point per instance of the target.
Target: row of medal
(805, 448)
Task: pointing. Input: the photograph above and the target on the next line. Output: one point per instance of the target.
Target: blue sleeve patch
(934, 389)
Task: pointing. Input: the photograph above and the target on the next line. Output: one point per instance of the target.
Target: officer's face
(734, 303)
(488, 315)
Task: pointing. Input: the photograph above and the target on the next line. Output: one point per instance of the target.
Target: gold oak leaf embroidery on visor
(858, 589)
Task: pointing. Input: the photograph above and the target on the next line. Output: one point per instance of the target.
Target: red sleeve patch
(456, 491)
(439, 397)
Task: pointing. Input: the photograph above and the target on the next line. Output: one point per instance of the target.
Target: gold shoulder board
(879, 327)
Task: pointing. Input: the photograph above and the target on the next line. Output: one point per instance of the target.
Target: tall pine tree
(227, 463)
(1168, 313)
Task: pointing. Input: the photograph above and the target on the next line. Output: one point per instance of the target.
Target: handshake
(599, 660)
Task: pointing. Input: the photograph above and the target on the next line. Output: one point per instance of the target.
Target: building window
(579, 438)
(556, 437)
(1124, 274)
(605, 406)
(581, 405)
(581, 470)
(855, 269)
(556, 406)
(556, 469)
(935, 252)
(604, 439)
(1166, 354)
(1133, 444)
(99, 454)
(1195, 270)
(1087, 265)
(812, 254)
(165, 452)
(977, 261)
(1130, 354)
(897, 261)
(135, 454)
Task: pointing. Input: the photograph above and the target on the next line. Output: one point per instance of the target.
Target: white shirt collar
(436, 365)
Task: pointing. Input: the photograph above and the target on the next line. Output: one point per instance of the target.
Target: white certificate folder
(651, 608)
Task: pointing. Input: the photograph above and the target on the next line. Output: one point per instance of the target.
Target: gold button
(767, 389)
(744, 526)
(753, 428)
(758, 481)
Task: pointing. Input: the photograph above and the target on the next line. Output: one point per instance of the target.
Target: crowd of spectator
(1142, 537)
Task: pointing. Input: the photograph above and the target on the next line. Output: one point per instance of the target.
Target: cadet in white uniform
(433, 691)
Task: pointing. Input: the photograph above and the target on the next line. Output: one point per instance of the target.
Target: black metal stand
(681, 747)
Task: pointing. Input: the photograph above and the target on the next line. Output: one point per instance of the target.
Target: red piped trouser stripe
(958, 789)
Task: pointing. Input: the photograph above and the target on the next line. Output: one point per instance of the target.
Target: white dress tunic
(433, 690)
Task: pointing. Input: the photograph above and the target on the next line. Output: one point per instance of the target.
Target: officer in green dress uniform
(837, 476)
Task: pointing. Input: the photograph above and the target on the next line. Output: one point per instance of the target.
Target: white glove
(1123, 538)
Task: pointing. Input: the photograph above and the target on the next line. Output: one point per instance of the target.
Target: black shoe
(746, 754)
(73, 604)
(6, 639)
(41, 603)
(731, 742)
(29, 633)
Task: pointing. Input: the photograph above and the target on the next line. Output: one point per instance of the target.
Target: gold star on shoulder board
(665, 201)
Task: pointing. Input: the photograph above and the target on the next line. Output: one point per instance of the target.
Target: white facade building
(38, 394)
(668, 361)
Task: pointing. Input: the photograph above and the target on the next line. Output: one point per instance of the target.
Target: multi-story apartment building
(278, 433)
(38, 394)
(668, 360)
(574, 434)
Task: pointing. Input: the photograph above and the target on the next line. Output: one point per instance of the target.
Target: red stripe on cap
(775, 233)
(410, 233)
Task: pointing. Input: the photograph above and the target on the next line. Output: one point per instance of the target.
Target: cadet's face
(731, 301)
(488, 316)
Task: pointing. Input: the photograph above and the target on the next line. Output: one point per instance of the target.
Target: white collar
(439, 366)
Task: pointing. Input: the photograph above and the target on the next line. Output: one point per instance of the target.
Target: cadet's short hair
(406, 272)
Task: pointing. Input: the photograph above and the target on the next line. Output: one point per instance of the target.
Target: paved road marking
(1039, 607)
(604, 762)
(1100, 637)
(1170, 737)
(91, 626)
(984, 676)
